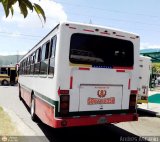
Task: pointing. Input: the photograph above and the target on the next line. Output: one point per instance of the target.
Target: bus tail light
(132, 103)
(64, 105)
(63, 92)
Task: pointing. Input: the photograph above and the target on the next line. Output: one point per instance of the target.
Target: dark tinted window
(39, 55)
(47, 50)
(53, 46)
(99, 50)
(38, 59)
(3, 70)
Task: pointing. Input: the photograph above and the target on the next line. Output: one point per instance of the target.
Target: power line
(115, 19)
(19, 34)
(23, 38)
(107, 10)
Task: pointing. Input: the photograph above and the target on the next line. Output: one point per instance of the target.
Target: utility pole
(90, 22)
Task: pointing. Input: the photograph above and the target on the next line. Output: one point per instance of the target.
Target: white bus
(144, 79)
(81, 74)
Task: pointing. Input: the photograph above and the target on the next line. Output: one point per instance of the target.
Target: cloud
(149, 46)
(54, 13)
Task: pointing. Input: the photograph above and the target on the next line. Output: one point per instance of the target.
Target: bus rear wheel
(5, 82)
(32, 110)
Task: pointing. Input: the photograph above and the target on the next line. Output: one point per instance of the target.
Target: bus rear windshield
(100, 50)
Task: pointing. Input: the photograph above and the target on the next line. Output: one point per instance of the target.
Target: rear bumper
(94, 120)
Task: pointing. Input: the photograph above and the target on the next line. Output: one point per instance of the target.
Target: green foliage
(156, 67)
(24, 5)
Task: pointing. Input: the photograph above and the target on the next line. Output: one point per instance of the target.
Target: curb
(26, 133)
(20, 125)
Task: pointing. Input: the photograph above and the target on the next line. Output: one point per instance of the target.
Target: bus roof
(80, 24)
(98, 26)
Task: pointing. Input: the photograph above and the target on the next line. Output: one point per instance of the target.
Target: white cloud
(54, 13)
(149, 46)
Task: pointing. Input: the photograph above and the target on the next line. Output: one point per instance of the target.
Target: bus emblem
(101, 93)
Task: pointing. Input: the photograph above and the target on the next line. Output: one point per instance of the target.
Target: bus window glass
(3, 70)
(53, 46)
(52, 55)
(43, 51)
(99, 50)
(38, 59)
(47, 50)
(39, 54)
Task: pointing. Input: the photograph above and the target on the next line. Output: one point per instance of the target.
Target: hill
(10, 59)
(149, 50)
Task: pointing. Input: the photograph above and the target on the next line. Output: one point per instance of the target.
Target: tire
(32, 109)
(12, 83)
(5, 82)
(20, 97)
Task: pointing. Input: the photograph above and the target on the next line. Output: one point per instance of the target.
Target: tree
(156, 68)
(24, 5)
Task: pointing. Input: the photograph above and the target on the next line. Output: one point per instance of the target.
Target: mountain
(10, 59)
(150, 50)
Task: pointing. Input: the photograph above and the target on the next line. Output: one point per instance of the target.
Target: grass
(7, 127)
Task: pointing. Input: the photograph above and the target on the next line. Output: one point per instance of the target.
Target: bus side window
(33, 63)
(45, 55)
(37, 61)
(27, 66)
(52, 56)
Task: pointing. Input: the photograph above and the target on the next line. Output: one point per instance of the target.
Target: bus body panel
(144, 79)
(86, 84)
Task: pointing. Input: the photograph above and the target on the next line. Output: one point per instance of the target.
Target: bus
(144, 79)
(8, 75)
(81, 75)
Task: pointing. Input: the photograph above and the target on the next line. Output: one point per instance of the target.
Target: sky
(19, 35)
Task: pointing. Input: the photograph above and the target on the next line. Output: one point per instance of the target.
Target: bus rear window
(99, 50)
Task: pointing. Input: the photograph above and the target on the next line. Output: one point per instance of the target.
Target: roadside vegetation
(7, 128)
(156, 68)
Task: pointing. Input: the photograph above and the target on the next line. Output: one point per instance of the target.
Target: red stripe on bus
(120, 70)
(128, 68)
(88, 30)
(134, 91)
(88, 121)
(80, 68)
(72, 27)
(120, 35)
(105, 33)
(129, 83)
(46, 113)
(71, 82)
